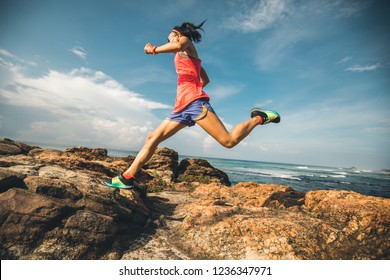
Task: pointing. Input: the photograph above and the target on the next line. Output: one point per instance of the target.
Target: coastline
(302, 177)
(53, 205)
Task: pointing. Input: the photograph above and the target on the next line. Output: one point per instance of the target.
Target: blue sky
(74, 73)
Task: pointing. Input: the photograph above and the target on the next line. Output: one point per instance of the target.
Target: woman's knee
(152, 139)
(228, 143)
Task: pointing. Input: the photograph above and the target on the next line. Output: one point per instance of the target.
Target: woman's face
(173, 37)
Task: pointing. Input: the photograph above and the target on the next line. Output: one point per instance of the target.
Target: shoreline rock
(53, 206)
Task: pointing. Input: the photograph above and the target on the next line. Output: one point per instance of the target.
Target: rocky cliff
(53, 206)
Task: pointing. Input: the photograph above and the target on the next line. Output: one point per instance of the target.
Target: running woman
(192, 104)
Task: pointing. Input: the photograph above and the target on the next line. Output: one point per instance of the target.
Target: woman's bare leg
(215, 128)
(166, 129)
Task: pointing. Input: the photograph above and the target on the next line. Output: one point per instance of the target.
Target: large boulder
(53, 205)
(10, 147)
(200, 170)
(254, 221)
(163, 164)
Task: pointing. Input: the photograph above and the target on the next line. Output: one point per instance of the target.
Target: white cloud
(288, 23)
(377, 129)
(83, 106)
(350, 8)
(258, 16)
(277, 46)
(79, 51)
(208, 143)
(344, 60)
(359, 68)
(80, 89)
(7, 53)
(264, 104)
(223, 91)
(14, 58)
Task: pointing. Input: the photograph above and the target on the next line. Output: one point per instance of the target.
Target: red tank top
(189, 86)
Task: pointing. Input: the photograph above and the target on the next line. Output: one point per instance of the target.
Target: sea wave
(305, 178)
(278, 174)
(302, 167)
(337, 176)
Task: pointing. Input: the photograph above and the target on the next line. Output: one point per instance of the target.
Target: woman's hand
(148, 49)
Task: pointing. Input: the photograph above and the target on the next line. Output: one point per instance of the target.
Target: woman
(192, 104)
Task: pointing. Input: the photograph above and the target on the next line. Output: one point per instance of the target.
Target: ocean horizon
(301, 177)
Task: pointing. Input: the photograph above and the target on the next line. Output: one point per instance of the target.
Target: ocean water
(302, 178)
(306, 177)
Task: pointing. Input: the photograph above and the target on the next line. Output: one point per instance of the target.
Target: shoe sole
(118, 186)
(139, 190)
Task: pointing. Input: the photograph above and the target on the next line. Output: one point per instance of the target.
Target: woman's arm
(173, 47)
(203, 77)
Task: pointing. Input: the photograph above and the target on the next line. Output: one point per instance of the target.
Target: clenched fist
(149, 48)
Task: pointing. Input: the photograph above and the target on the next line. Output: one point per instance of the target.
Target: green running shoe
(267, 115)
(120, 182)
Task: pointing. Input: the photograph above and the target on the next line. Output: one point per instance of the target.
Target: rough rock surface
(253, 221)
(53, 206)
(200, 170)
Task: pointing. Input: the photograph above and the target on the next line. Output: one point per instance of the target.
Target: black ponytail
(189, 30)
